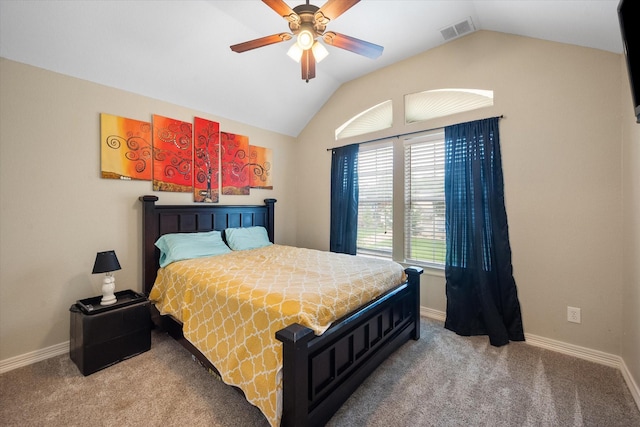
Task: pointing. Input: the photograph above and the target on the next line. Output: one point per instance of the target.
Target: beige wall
(561, 150)
(56, 211)
(630, 337)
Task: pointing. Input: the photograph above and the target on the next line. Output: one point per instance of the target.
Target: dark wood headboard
(163, 219)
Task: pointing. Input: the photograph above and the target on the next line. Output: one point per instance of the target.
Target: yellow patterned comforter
(232, 305)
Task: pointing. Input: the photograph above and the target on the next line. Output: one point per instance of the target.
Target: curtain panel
(344, 199)
(481, 290)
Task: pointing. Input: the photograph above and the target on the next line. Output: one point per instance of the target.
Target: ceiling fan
(309, 22)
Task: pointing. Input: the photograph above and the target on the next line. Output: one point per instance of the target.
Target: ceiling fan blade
(332, 9)
(282, 9)
(308, 62)
(353, 44)
(263, 41)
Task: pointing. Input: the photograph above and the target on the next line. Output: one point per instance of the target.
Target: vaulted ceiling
(178, 51)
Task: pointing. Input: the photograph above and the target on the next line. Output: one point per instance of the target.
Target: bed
(319, 372)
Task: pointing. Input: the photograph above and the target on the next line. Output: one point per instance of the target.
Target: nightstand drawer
(102, 339)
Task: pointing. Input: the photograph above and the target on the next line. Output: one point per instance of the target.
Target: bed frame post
(149, 227)
(295, 374)
(413, 274)
(270, 220)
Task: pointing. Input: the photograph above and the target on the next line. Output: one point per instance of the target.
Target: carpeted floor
(440, 380)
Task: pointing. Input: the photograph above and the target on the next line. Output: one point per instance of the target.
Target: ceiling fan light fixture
(305, 38)
(307, 23)
(319, 51)
(295, 52)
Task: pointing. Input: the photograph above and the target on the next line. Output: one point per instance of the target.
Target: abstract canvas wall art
(234, 159)
(183, 157)
(260, 163)
(172, 155)
(206, 160)
(125, 148)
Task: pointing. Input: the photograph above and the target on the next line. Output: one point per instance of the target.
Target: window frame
(431, 139)
(397, 226)
(365, 181)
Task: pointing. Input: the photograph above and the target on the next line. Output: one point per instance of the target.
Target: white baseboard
(574, 350)
(33, 357)
(590, 355)
(433, 314)
(631, 383)
(568, 349)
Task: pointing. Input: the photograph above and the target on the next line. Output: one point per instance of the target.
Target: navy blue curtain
(482, 298)
(344, 199)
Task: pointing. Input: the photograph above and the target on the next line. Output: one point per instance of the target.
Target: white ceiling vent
(457, 30)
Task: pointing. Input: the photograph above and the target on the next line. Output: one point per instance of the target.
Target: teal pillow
(179, 246)
(240, 239)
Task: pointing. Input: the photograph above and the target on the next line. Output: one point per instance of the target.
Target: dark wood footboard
(321, 372)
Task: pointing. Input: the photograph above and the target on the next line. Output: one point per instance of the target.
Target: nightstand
(101, 335)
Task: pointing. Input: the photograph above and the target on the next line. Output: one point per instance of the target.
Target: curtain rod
(403, 134)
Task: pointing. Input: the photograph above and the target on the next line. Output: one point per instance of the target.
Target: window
(375, 200)
(423, 217)
(420, 225)
(370, 120)
(430, 104)
(424, 213)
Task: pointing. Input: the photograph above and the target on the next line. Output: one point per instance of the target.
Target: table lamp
(107, 262)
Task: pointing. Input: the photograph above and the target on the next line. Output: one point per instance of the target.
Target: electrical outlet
(573, 314)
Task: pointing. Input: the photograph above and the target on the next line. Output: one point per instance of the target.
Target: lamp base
(108, 301)
(108, 286)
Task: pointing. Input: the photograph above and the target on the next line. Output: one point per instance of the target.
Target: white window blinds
(425, 239)
(375, 201)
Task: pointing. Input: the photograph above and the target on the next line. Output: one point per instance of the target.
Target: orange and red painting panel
(206, 160)
(234, 159)
(125, 148)
(172, 155)
(260, 162)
